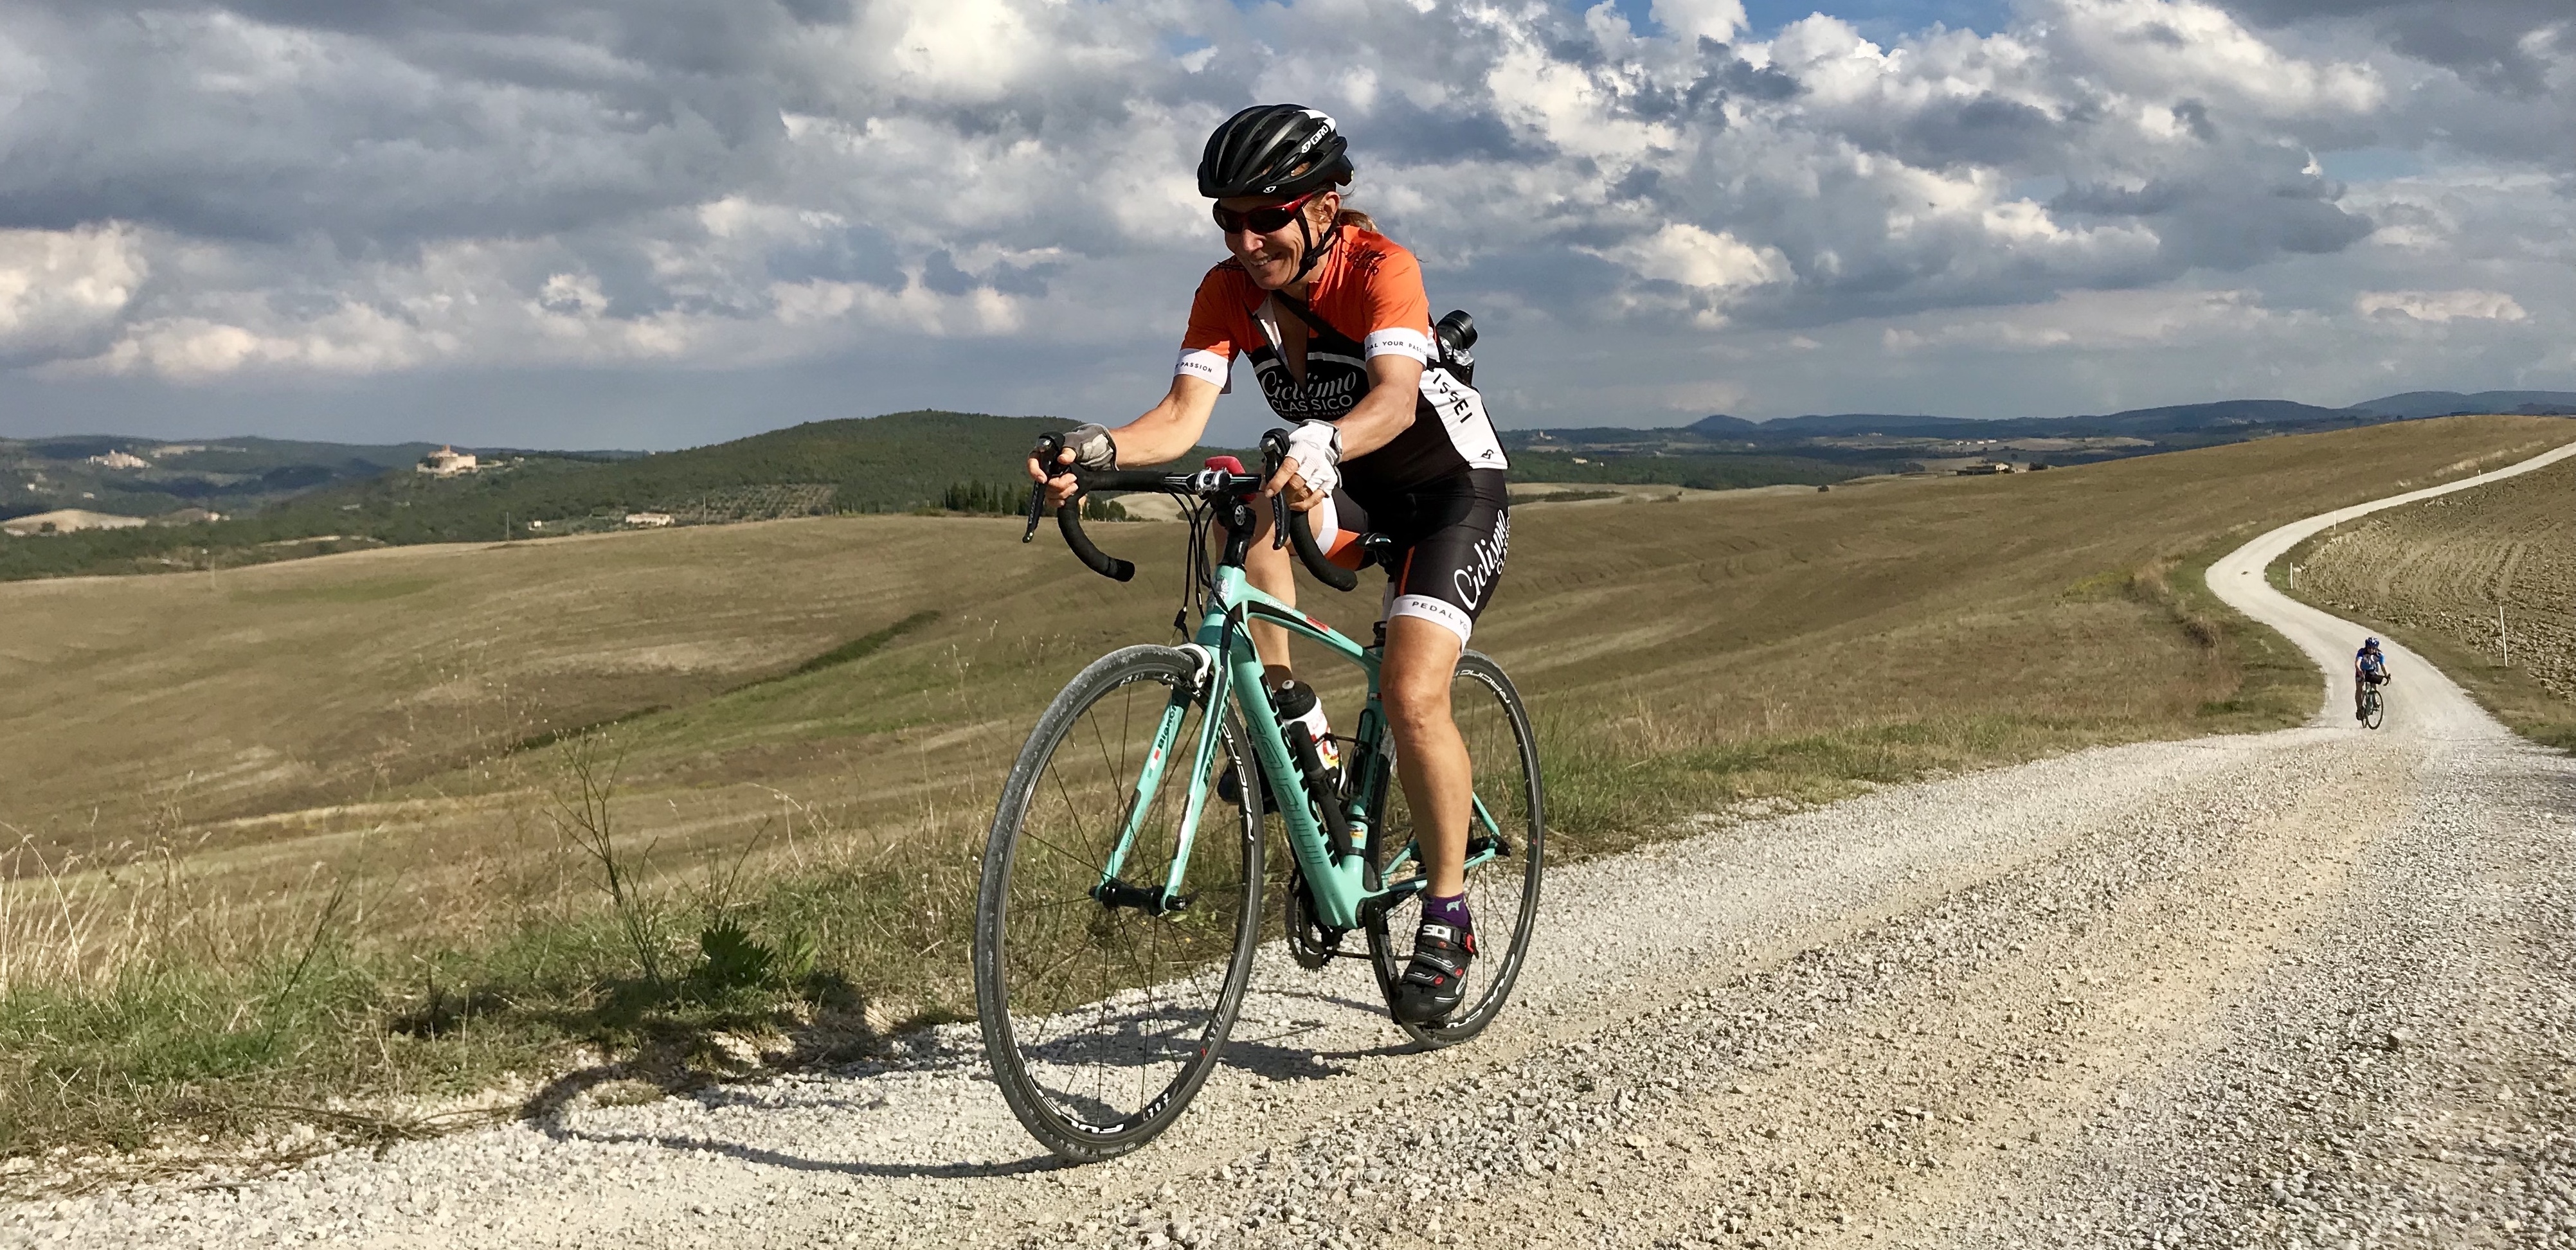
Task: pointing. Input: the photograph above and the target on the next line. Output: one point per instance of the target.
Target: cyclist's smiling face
(1271, 257)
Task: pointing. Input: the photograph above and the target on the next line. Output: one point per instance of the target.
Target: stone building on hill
(448, 462)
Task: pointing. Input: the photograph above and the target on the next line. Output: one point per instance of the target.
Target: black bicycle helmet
(1273, 149)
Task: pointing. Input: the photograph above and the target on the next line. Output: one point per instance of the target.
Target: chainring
(1310, 943)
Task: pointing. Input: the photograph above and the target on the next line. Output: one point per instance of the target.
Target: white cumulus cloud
(2441, 305)
(58, 288)
(907, 191)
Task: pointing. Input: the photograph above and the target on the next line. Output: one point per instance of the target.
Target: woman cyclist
(1337, 326)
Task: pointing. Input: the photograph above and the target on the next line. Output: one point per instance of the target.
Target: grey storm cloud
(299, 187)
(2235, 224)
(383, 125)
(2490, 41)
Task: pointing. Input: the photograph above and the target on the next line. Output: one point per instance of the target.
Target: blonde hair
(1345, 217)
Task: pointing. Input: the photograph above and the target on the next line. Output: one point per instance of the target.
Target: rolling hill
(1828, 447)
(889, 463)
(2414, 404)
(151, 477)
(279, 499)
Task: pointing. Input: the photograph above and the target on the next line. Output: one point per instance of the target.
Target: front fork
(1207, 687)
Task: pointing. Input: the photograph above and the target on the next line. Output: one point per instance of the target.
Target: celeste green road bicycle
(1121, 902)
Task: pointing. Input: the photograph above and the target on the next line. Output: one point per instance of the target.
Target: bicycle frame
(1346, 892)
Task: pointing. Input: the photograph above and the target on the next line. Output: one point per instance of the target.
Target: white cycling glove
(1092, 447)
(1316, 446)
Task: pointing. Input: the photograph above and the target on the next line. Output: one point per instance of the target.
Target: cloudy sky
(654, 223)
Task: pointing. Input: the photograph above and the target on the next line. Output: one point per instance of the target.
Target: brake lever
(1274, 449)
(1049, 446)
(1037, 510)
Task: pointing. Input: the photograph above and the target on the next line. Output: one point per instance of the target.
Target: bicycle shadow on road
(1286, 1050)
(546, 1113)
(1281, 1046)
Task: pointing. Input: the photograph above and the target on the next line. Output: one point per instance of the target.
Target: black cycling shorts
(1450, 537)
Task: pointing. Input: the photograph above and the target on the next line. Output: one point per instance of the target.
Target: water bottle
(1300, 712)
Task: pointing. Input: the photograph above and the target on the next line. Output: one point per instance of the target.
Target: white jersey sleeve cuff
(1399, 342)
(1207, 366)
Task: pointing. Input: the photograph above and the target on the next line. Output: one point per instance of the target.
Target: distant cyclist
(2369, 668)
(1335, 321)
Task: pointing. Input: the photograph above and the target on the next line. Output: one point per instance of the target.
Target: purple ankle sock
(1450, 911)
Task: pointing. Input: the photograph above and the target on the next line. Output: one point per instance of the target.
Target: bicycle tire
(2377, 710)
(1166, 1015)
(1518, 802)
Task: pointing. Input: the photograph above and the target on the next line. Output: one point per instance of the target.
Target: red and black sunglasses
(1262, 220)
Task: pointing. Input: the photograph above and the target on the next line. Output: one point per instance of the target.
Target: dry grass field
(337, 828)
(2434, 576)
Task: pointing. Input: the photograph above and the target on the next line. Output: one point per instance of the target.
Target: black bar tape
(1302, 532)
(1068, 519)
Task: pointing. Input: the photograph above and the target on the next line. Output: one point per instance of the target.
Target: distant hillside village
(74, 520)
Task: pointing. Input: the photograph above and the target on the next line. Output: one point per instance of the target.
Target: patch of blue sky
(1879, 20)
(2040, 188)
(2371, 164)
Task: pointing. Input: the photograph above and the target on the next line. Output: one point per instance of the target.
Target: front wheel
(2374, 710)
(1104, 1000)
(1508, 831)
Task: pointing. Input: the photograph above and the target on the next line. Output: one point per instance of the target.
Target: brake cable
(1196, 579)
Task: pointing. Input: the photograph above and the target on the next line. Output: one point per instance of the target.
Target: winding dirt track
(2315, 987)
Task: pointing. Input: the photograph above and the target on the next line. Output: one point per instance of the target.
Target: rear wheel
(1102, 1018)
(1502, 892)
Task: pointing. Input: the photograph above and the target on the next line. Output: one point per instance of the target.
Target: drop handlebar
(1209, 483)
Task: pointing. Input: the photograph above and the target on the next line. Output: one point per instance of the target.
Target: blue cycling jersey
(2371, 661)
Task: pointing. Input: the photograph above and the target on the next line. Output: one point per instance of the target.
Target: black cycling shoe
(1436, 980)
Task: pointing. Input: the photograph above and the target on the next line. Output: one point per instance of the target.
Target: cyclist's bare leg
(1273, 573)
(1430, 756)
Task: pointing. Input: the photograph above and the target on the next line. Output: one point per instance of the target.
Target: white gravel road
(2307, 988)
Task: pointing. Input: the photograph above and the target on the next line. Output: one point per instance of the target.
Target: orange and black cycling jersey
(1366, 299)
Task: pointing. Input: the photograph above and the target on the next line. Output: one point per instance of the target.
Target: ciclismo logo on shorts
(1478, 577)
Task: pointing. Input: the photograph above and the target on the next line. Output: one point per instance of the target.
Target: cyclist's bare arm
(1166, 431)
(1395, 385)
